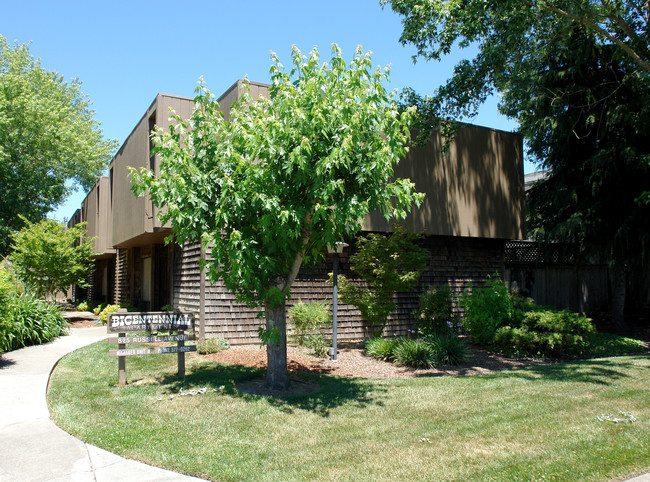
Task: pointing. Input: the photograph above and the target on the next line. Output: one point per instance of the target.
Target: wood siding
(551, 275)
(454, 262)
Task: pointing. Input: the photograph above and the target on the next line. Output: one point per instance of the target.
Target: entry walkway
(32, 447)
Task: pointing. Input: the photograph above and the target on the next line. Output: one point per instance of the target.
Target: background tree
(587, 121)
(271, 187)
(511, 36)
(387, 264)
(49, 258)
(47, 138)
(585, 118)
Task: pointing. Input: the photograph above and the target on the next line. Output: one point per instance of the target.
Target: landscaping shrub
(388, 264)
(308, 319)
(448, 349)
(129, 306)
(435, 349)
(211, 345)
(99, 308)
(414, 353)
(486, 309)
(9, 283)
(318, 344)
(564, 321)
(26, 320)
(514, 326)
(83, 306)
(103, 315)
(545, 332)
(381, 348)
(435, 315)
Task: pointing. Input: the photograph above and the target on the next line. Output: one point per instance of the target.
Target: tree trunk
(277, 375)
(618, 296)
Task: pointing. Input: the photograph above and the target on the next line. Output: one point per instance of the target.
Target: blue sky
(125, 52)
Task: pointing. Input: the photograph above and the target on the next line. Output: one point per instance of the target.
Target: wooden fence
(551, 275)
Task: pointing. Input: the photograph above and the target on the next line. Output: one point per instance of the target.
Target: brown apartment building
(474, 203)
(96, 213)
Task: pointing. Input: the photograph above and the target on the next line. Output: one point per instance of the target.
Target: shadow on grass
(594, 371)
(334, 391)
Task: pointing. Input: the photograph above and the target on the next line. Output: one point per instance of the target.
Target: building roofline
(238, 83)
(145, 115)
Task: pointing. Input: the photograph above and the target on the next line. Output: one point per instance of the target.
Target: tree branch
(597, 28)
(297, 260)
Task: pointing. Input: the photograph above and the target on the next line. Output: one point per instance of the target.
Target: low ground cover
(24, 318)
(502, 322)
(536, 423)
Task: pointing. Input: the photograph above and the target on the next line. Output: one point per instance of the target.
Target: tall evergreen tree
(576, 76)
(586, 120)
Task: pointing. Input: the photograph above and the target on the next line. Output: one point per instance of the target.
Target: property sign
(150, 322)
(151, 339)
(152, 351)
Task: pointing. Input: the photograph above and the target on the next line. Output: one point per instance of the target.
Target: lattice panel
(529, 252)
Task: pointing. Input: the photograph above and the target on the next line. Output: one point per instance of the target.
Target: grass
(533, 424)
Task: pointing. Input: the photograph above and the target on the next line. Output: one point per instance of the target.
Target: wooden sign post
(150, 323)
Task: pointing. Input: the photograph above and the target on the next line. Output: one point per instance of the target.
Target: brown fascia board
(93, 188)
(145, 239)
(146, 115)
(158, 95)
(237, 84)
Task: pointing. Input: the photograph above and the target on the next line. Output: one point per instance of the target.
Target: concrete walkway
(32, 448)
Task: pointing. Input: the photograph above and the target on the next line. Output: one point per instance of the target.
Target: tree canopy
(575, 76)
(49, 141)
(267, 189)
(511, 37)
(585, 118)
(49, 257)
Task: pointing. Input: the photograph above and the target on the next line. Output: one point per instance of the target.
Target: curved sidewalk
(32, 447)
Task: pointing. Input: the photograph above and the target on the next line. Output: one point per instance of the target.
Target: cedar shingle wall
(187, 287)
(122, 293)
(454, 262)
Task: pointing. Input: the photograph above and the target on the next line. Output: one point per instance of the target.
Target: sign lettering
(152, 351)
(150, 339)
(150, 322)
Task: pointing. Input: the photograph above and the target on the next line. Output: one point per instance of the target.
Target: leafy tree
(511, 36)
(584, 118)
(388, 264)
(268, 189)
(575, 76)
(49, 258)
(48, 140)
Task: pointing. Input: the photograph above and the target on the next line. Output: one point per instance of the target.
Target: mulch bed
(82, 319)
(352, 362)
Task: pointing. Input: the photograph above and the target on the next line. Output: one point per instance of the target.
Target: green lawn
(534, 424)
